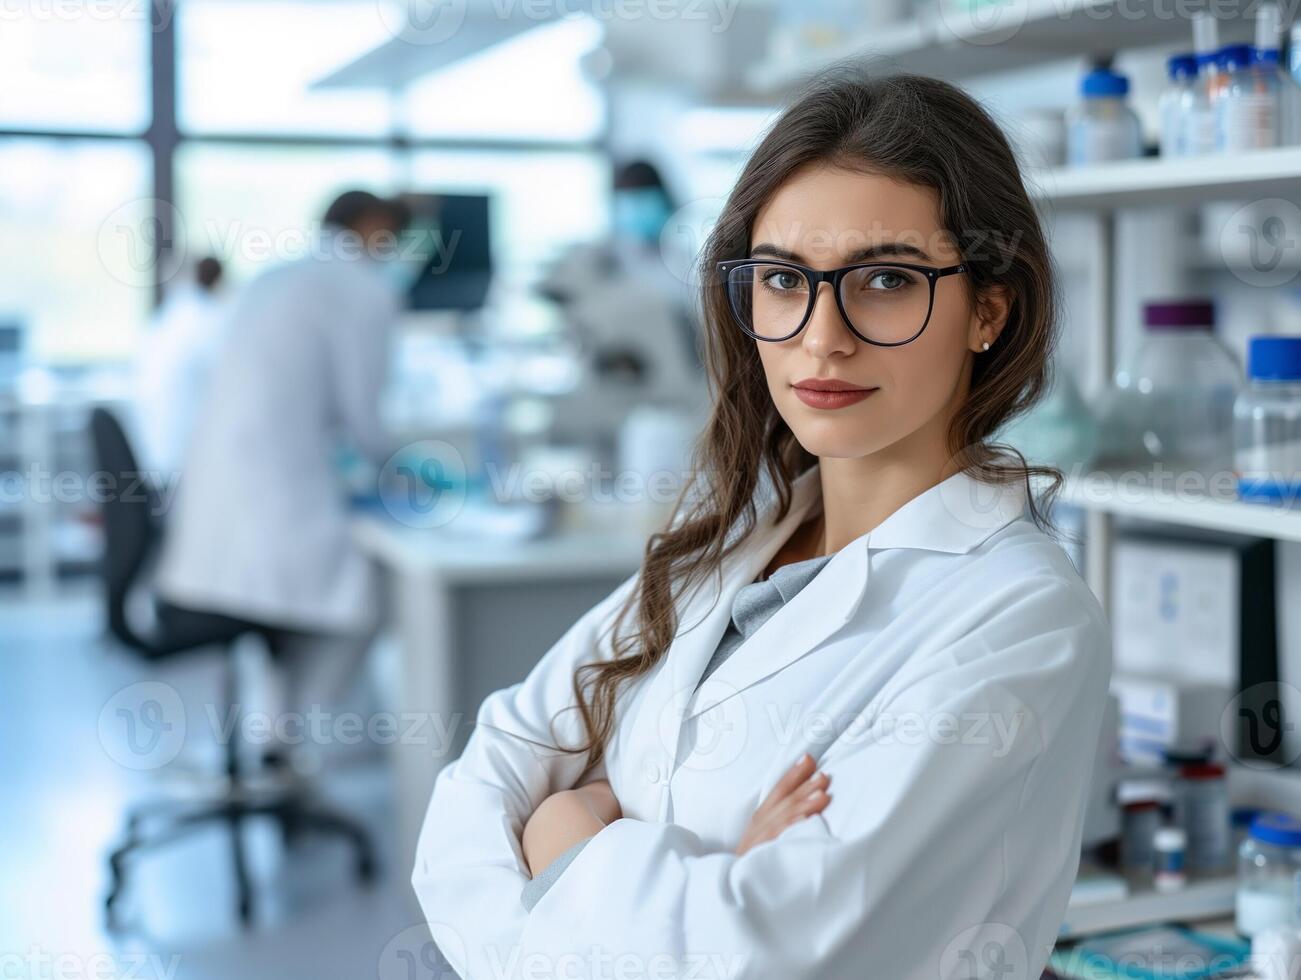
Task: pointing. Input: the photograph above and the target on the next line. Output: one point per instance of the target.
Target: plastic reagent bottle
(1247, 109)
(1103, 127)
(1176, 103)
(1267, 423)
(1200, 135)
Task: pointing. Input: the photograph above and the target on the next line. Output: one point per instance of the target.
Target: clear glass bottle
(1176, 102)
(1103, 126)
(1173, 400)
(1268, 862)
(1267, 423)
(1247, 109)
(1200, 136)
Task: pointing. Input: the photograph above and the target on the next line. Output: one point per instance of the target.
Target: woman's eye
(783, 280)
(887, 279)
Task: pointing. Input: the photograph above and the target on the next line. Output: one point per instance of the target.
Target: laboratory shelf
(1153, 181)
(1110, 494)
(959, 46)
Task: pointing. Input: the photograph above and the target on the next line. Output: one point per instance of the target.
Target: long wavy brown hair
(917, 130)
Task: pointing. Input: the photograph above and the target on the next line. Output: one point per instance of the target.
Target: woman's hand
(565, 818)
(797, 795)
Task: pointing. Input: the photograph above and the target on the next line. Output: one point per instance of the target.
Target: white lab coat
(170, 377)
(948, 669)
(259, 526)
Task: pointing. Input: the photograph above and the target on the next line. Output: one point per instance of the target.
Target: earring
(986, 345)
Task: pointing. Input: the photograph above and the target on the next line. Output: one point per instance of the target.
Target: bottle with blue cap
(1268, 864)
(1267, 423)
(1176, 102)
(1103, 127)
(1200, 122)
(1247, 116)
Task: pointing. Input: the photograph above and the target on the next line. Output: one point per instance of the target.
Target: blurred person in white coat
(259, 530)
(841, 722)
(172, 368)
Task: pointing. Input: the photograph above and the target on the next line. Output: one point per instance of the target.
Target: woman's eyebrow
(879, 250)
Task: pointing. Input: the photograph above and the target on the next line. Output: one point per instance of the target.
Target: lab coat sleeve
(946, 844)
(360, 346)
(470, 869)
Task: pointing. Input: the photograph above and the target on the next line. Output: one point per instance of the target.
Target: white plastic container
(1176, 102)
(1103, 126)
(1200, 135)
(1267, 423)
(1247, 116)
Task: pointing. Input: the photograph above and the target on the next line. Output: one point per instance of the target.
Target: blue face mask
(640, 213)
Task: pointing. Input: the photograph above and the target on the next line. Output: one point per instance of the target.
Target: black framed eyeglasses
(883, 303)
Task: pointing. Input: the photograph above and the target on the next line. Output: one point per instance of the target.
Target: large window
(78, 67)
(89, 179)
(249, 67)
(76, 267)
(250, 205)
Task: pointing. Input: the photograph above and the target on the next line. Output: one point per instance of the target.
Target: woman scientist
(841, 721)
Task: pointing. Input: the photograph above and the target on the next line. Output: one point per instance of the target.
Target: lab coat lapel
(707, 609)
(953, 516)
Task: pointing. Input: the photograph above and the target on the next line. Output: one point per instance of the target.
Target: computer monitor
(457, 268)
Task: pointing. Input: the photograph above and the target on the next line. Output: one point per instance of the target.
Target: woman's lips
(824, 398)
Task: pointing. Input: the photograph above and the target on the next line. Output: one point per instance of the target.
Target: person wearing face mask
(258, 529)
(630, 309)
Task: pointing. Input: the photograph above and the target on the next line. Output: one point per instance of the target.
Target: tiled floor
(65, 791)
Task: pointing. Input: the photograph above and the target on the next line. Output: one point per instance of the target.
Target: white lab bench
(473, 615)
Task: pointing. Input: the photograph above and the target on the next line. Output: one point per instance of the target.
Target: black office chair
(131, 536)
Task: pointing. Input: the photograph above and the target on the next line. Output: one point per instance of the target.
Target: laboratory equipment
(1169, 846)
(1267, 422)
(1140, 821)
(1159, 710)
(1247, 109)
(1202, 810)
(1103, 126)
(1176, 103)
(454, 250)
(1172, 402)
(1268, 862)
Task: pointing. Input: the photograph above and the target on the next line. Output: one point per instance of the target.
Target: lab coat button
(653, 773)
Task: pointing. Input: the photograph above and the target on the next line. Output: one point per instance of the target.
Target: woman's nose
(826, 333)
